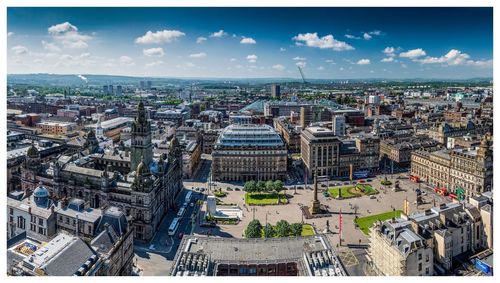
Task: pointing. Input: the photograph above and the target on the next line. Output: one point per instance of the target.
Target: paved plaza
(155, 258)
(385, 201)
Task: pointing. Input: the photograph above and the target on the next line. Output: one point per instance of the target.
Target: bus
(415, 179)
(181, 212)
(188, 196)
(173, 227)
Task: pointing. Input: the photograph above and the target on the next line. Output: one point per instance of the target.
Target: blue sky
(330, 43)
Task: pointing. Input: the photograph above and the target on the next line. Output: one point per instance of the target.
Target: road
(160, 251)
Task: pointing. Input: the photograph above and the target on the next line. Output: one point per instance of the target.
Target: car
(202, 190)
(180, 235)
(323, 185)
(346, 183)
(237, 189)
(361, 181)
(229, 189)
(197, 189)
(369, 180)
(424, 193)
(325, 194)
(373, 197)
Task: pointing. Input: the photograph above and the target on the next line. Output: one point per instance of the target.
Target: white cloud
(282, 49)
(350, 36)
(201, 39)
(153, 52)
(126, 60)
(413, 54)
(233, 60)
(198, 55)
(387, 60)
(219, 33)
(163, 36)
(325, 42)
(51, 47)
(9, 34)
(278, 67)
(321, 68)
(301, 64)
(376, 32)
(389, 50)
(366, 36)
(154, 64)
(20, 50)
(69, 36)
(330, 61)
(363, 62)
(62, 28)
(80, 44)
(404, 66)
(455, 57)
(252, 58)
(299, 58)
(248, 40)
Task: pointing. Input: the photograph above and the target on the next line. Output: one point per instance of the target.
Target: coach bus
(173, 227)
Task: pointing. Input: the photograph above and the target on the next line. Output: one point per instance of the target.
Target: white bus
(181, 212)
(188, 196)
(173, 227)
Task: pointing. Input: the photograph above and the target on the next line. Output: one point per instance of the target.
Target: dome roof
(32, 151)
(41, 192)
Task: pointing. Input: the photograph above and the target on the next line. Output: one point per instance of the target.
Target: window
(33, 227)
(420, 267)
(41, 230)
(427, 271)
(40, 221)
(21, 222)
(11, 211)
(419, 256)
(427, 257)
(33, 218)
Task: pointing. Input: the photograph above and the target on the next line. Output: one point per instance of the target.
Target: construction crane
(302, 75)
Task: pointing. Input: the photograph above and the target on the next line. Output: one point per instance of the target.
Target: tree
(269, 186)
(282, 228)
(296, 229)
(269, 232)
(278, 187)
(254, 229)
(261, 186)
(250, 186)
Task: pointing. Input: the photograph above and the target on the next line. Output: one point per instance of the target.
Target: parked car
(373, 197)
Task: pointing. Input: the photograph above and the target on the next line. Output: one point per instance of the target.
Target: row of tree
(264, 187)
(281, 229)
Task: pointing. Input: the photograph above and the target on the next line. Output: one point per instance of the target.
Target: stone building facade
(249, 152)
(145, 194)
(468, 169)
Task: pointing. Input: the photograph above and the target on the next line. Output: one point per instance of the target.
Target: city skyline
(331, 43)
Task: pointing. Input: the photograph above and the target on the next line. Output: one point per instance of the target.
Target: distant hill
(79, 80)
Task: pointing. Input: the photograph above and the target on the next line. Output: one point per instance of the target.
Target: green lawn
(264, 198)
(307, 230)
(364, 223)
(334, 192)
(367, 189)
